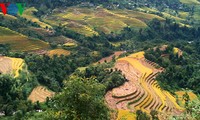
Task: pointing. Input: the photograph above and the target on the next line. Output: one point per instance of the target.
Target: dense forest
(180, 71)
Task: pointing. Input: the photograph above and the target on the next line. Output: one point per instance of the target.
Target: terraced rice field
(11, 66)
(190, 1)
(40, 93)
(179, 19)
(5, 65)
(28, 14)
(59, 52)
(7, 16)
(167, 15)
(86, 21)
(82, 29)
(49, 37)
(141, 91)
(19, 42)
(136, 14)
(17, 64)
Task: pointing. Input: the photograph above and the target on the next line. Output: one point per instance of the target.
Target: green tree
(8, 94)
(154, 114)
(141, 115)
(82, 99)
(192, 112)
(186, 98)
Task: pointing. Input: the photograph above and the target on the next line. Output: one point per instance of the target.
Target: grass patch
(126, 115)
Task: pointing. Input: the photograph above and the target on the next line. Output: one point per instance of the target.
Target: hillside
(100, 60)
(19, 42)
(141, 92)
(87, 22)
(84, 21)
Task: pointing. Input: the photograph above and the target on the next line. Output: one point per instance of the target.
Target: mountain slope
(19, 42)
(141, 92)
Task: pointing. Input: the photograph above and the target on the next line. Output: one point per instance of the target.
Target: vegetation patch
(190, 1)
(167, 15)
(81, 29)
(126, 115)
(181, 97)
(58, 52)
